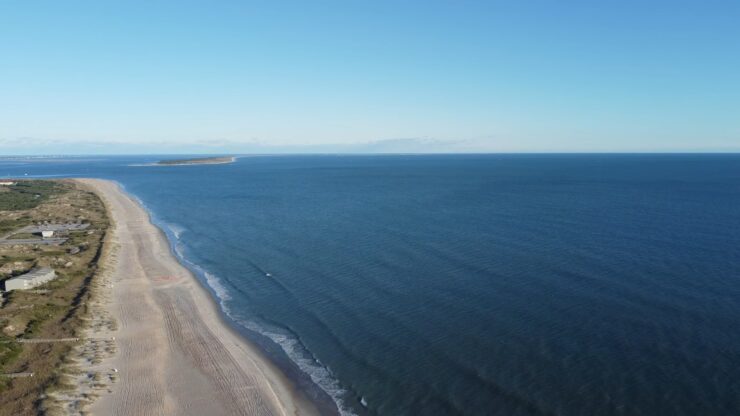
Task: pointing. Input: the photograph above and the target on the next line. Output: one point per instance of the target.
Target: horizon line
(575, 152)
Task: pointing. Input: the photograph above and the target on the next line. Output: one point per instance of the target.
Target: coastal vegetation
(32, 362)
(26, 194)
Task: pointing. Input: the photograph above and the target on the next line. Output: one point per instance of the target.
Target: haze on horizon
(253, 77)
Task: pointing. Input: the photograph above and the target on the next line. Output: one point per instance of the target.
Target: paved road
(53, 227)
(54, 241)
(37, 229)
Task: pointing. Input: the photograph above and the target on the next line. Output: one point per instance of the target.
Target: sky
(79, 77)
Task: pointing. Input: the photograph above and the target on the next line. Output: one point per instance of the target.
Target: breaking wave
(289, 343)
(299, 354)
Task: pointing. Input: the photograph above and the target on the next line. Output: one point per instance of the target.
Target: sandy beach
(174, 354)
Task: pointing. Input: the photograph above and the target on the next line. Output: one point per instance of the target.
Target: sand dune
(175, 355)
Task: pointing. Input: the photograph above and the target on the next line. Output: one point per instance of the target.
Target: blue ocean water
(467, 284)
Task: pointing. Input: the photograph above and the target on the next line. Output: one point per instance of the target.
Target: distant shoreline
(220, 160)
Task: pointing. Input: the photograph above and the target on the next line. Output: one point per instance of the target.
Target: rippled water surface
(477, 285)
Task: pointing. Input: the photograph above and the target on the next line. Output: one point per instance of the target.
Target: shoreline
(176, 352)
(269, 349)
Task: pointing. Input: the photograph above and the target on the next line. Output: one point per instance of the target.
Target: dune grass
(60, 311)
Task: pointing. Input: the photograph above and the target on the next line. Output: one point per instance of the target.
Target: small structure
(34, 278)
(47, 226)
(6, 183)
(51, 233)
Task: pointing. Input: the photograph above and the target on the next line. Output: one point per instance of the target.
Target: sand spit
(157, 344)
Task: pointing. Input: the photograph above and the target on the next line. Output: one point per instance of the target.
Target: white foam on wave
(222, 294)
(298, 353)
(218, 288)
(293, 348)
(176, 230)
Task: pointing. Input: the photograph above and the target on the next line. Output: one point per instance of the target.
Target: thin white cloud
(30, 145)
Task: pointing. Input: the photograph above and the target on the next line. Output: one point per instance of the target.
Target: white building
(6, 183)
(35, 277)
(47, 233)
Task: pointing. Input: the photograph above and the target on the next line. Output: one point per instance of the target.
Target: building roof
(41, 271)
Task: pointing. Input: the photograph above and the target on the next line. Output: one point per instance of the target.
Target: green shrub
(27, 194)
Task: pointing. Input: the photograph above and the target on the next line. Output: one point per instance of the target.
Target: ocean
(466, 284)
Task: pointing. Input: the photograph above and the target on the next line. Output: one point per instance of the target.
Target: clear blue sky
(183, 76)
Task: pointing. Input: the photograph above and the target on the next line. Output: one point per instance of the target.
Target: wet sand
(174, 353)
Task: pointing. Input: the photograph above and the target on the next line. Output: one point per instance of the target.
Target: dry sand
(174, 354)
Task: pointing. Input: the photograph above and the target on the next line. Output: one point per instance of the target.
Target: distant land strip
(198, 161)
